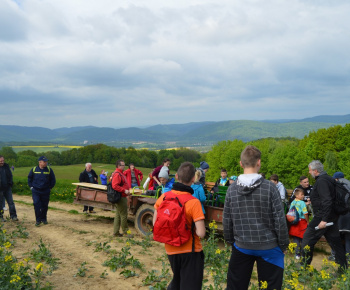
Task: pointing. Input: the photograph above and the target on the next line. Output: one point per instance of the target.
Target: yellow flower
(218, 251)
(26, 260)
(291, 247)
(325, 261)
(39, 267)
(263, 284)
(324, 275)
(7, 245)
(295, 274)
(307, 248)
(128, 244)
(333, 264)
(4, 231)
(310, 268)
(8, 258)
(128, 232)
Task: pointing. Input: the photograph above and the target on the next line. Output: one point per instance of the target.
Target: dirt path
(73, 239)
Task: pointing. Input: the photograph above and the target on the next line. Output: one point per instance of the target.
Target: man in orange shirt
(187, 265)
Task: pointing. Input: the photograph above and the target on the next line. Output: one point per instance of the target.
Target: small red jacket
(137, 172)
(119, 182)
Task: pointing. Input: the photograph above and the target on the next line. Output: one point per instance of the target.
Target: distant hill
(181, 134)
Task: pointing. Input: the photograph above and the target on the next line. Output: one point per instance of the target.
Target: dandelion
(39, 267)
(218, 251)
(263, 284)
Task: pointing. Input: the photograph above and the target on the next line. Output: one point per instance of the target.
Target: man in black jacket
(88, 175)
(321, 197)
(6, 183)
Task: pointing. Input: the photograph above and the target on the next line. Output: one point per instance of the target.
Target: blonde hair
(197, 175)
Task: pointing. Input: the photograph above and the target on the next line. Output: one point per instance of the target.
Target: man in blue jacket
(41, 180)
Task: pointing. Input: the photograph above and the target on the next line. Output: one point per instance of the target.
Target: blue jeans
(41, 204)
(7, 195)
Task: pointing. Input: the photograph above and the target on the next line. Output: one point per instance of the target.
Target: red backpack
(171, 226)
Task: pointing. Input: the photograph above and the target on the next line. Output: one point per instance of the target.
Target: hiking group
(254, 218)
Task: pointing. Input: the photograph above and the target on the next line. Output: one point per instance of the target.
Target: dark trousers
(332, 236)
(90, 208)
(188, 271)
(7, 195)
(241, 267)
(41, 205)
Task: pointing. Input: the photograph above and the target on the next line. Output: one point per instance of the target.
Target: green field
(65, 176)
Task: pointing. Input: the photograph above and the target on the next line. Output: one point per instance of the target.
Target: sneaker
(92, 211)
(15, 219)
(37, 224)
(5, 208)
(297, 257)
(45, 222)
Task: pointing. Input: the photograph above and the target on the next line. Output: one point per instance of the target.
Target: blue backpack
(293, 215)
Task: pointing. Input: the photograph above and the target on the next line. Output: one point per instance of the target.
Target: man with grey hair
(322, 196)
(88, 175)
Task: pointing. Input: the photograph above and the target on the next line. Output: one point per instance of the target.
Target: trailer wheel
(144, 219)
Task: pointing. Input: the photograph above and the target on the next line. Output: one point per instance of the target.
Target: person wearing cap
(6, 183)
(203, 167)
(41, 179)
(344, 220)
(156, 171)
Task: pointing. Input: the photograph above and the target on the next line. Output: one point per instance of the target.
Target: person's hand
(127, 191)
(322, 225)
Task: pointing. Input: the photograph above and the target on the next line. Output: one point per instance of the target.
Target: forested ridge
(287, 157)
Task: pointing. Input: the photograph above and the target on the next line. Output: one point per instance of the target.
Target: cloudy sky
(123, 63)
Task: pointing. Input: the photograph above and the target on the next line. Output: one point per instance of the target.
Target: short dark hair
(2, 156)
(223, 170)
(186, 172)
(274, 177)
(250, 156)
(302, 177)
(118, 162)
(166, 160)
(131, 164)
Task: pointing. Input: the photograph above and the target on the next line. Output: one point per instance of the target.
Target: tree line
(287, 157)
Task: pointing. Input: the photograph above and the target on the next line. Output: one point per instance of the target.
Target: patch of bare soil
(73, 239)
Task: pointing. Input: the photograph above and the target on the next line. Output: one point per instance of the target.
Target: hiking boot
(37, 224)
(15, 219)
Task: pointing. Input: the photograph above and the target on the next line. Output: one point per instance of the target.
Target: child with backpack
(179, 223)
(297, 230)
